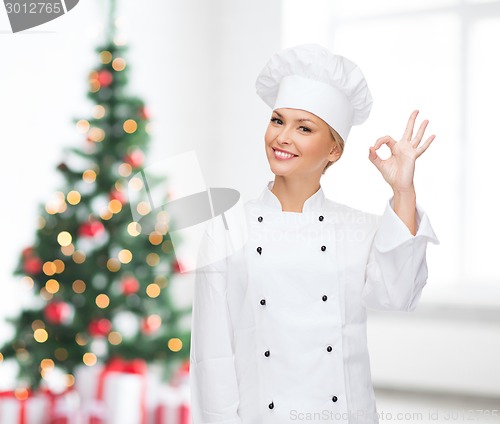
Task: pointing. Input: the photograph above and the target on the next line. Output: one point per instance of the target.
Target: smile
(282, 155)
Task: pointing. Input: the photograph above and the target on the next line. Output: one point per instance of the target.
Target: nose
(284, 136)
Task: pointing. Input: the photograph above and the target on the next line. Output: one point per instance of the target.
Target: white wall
(437, 349)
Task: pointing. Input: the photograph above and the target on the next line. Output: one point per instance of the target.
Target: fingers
(426, 144)
(407, 136)
(385, 140)
(374, 158)
(420, 133)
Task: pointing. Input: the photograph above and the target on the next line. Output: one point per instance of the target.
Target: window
(441, 57)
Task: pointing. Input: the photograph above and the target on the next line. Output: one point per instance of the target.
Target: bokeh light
(40, 335)
(102, 301)
(175, 344)
(125, 256)
(52, 286)
(153, 290)
(130, 126)
(79, 286)
(134, 229)
(114, 338)
(49, 268)
(113, 264)
(89, 176)
(73, 197)
(89, 359)
(118, 64)
(106, 57)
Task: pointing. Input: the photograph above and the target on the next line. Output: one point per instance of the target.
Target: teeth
(283, 155)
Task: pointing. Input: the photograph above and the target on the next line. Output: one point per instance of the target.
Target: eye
(305, 129)
(276, 121)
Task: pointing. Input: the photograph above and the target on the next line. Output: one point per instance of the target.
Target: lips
(283, 154)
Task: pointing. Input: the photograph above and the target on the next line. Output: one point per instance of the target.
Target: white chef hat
(312, 78)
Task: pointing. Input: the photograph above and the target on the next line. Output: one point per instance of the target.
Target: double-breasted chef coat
(279, 323)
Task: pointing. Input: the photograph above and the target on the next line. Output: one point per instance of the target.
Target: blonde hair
(340, 145)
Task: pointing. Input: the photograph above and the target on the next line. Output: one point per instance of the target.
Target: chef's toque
(311, 78)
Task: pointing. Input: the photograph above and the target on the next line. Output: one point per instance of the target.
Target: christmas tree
(101, 279)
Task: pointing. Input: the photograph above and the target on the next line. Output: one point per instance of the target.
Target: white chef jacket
(279, 325)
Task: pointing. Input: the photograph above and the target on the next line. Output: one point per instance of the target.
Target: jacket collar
(313, 203)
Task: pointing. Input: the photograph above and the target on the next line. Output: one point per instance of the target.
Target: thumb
(375, 159)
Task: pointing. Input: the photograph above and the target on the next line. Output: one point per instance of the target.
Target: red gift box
(22, 407)
(118, 392)
(64, 407)
(174, 405)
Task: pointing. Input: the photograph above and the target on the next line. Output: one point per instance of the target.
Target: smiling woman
(279, 326)
(309, 137)
(315, 124)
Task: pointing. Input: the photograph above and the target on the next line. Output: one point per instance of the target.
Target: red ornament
(151, 324)
(135, 158)
(105, 78)
(99, 327)
(117, 195)
(144, 113)
(32, 265)
(58, 312)
(129, 285)
(28, 251)
(91, 229)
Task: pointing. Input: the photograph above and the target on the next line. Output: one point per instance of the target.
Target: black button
(267, 353)
(323, 248)
(271, 405)
(259, 249)
(324, 297)
(260, 218)
(329, 348)
(262, 302)
(321, 218)
(335, 398)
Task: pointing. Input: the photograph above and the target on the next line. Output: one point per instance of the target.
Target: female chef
(279, 320)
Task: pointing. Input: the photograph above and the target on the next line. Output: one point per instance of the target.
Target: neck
(292, 193)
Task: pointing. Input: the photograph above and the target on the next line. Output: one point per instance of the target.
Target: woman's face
(305, 136)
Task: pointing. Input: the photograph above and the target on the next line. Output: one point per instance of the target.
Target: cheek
(313, 148)
(269, 135)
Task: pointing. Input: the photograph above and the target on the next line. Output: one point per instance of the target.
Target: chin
(277, 170)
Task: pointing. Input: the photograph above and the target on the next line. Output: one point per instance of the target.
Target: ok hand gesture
(399, 168)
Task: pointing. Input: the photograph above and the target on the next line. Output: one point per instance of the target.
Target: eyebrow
(298, 120)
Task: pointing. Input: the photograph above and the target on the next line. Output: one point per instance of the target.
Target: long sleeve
(213, 383)
(396, 271)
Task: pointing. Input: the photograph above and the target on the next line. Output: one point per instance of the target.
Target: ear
(334, 152)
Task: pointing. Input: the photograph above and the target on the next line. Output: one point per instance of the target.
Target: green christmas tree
(101, 280)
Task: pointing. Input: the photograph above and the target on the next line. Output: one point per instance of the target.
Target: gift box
(24, 407)
(64, 408)
(114, 393)
(174, 399)
(41, 407)
(173, 407)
